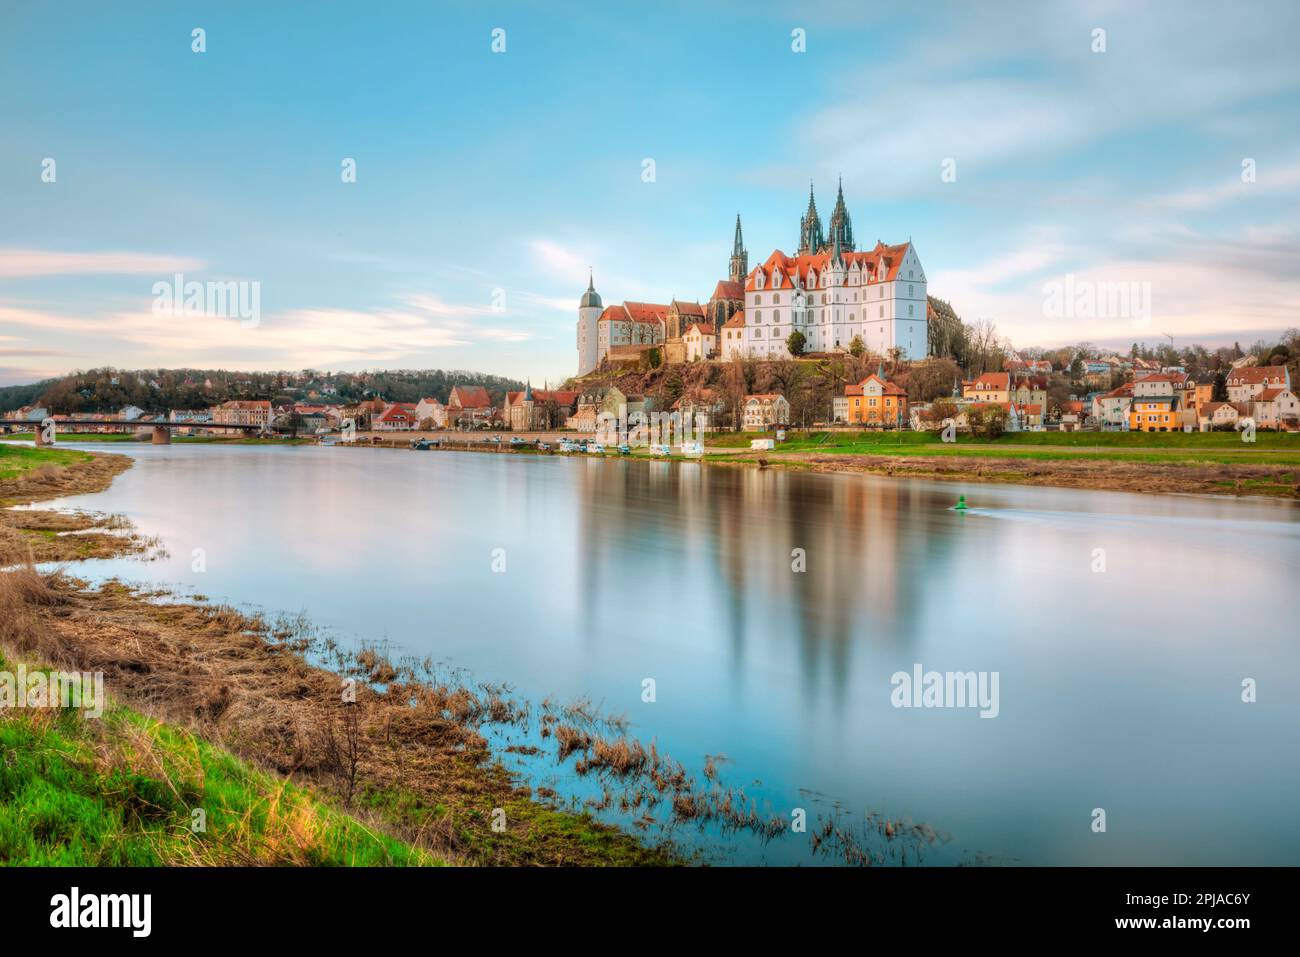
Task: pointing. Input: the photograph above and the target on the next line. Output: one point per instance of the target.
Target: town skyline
(443, 256)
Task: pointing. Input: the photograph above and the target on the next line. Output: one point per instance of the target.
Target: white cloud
(27, 263)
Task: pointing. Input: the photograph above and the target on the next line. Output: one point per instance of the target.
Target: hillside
(157, 390)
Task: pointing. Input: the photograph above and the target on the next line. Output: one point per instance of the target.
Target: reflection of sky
(1118, 690)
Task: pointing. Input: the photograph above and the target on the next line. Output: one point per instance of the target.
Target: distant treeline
(160, 390)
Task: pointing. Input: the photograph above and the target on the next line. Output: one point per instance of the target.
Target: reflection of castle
(829, 292)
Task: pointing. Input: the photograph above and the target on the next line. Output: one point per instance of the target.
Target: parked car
(661, 450)
(543, 447)
(625, 449)
(595, 448)
(516, 440)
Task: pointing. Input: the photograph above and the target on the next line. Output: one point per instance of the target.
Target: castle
(828, 291)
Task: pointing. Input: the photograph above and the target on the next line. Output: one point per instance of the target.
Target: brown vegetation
(1107, 474)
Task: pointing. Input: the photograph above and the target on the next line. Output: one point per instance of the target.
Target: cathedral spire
(811, 237)
(739, 257)
(841, 225)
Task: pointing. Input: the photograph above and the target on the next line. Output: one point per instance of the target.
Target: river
(1120, 627)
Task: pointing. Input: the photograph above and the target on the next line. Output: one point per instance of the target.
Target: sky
(1014, 145)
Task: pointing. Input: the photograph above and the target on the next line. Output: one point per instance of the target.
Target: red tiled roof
(890, 388)
(735, 322)
(1268, 395)
(808, 267)
(726, 289)
(644, 311)
(469, 397)
(1253, 375)
(688, 308)
(992, 380)
(706, 329)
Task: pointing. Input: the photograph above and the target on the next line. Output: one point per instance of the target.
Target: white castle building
(828, 291)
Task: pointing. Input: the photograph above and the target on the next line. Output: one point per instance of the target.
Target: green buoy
(961, 503)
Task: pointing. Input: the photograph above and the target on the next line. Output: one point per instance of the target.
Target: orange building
(873, 401)
(1154, 413)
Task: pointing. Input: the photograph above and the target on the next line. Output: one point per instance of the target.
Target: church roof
(735, 322)
(590, 297)
(726, 289)
(812, 265)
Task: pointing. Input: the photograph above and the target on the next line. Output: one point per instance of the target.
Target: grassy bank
(30, 475)
(123, 789)
(1270, 448)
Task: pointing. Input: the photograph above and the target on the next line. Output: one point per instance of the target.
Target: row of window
(776, 296)
(776, 314)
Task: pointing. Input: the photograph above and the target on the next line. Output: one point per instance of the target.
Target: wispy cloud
(30, 263)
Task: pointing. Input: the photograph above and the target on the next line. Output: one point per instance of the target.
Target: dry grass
(226, 676)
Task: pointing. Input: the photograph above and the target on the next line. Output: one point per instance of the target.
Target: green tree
(857, 347)
(987, 422)
(1220, 391)
(796, 343)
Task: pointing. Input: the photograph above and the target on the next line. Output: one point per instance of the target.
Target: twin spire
(811, 238)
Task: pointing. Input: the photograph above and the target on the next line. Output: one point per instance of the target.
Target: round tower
(589, 310)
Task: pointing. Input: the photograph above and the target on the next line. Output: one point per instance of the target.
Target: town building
(1111, 409)
(701, 342)
(234, 412)
(1154, 413)
(875, 402)
(537, 409)
(397, 417)
(1245, 383)
(469, 406)
(989, 387)
(1276, 408)
(762, 411)
(432, 411)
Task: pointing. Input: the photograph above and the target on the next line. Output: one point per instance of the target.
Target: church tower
(841, 225)
(739, 257)
(589, 310)
(811, 238)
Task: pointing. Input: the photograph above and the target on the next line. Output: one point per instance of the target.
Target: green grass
(16, 459)
(1270, 448)
(537, 833)
(120, 790)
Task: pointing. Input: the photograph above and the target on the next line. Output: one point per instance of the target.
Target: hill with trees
(160, 390)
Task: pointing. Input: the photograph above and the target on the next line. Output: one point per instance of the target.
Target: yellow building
(1154, 413)
(990, 387)
(873, 401)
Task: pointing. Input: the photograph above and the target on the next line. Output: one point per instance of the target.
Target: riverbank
(1200, 463)
(30, 475)
(405, 752)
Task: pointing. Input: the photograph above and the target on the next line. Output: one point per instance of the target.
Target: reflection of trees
(717, 543)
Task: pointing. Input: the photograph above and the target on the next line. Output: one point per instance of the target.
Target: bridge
(162, 431)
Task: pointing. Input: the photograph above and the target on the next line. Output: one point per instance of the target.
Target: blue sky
(515, 171)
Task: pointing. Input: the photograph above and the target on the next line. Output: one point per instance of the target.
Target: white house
(1276, 408)
(433, 410)
(701, 341)
(764, 410)
(1246, 383)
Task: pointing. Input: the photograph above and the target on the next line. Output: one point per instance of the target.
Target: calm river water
(1118, 689)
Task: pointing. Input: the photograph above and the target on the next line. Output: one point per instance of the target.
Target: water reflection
(1120, 689)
